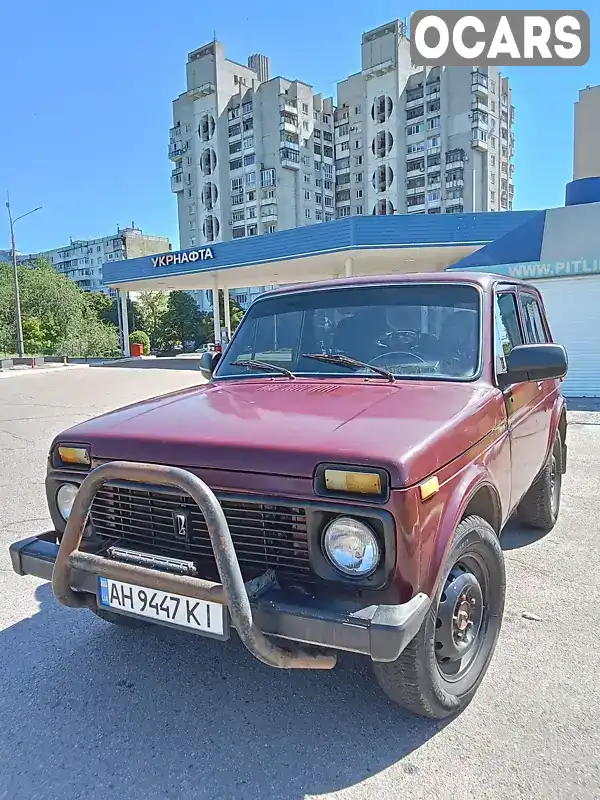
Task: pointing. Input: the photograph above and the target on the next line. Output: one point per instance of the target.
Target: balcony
(415, 173)
(289, 108)
(288, 126)
(453, 201)
(416, 101)
(341, 117)
(458, 183)
(479, 85)
(378, 70)
(478, 104)
(415, 190)
(433, 168)
(269, 215)
(202, 91)
(177, 149)
(177, 180)
(289, 158)
(433, 92)
(175, 133)
(415, 209)
(479, 141)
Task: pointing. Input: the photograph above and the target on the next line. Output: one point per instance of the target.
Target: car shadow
(178, 363)
(90, 709)
(515, 536)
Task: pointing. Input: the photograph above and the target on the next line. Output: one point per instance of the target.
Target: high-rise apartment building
(414, 140)
(82, 259)
(252, 154)
(586, 157)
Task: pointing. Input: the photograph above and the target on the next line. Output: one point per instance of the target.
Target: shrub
(139, 337)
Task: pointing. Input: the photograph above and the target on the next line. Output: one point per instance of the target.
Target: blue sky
(87, 90)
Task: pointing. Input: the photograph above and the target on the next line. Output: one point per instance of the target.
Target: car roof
(486, 280)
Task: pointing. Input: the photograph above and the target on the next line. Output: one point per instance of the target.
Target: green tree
(151, 310)
(236, 312)
(100, 304)
(58, 318)
(182, 320)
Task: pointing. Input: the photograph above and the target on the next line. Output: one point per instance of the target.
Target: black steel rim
(462, 619)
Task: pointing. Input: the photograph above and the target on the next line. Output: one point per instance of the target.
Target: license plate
(165, 608)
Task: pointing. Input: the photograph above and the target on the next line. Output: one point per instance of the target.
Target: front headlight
(351, 546)
(65, 498)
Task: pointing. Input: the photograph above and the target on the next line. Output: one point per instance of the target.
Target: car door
(524, 402)
(537, 332)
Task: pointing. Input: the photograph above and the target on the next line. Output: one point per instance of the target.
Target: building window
(493, 87)
(358, 177)
(267, 177)
(307, 195)
(317, 133)
(433, 123)
(329, 201)
(433, 141)
(307, 213)
(252, 212)
(235, 130)
(238, 233)
(249, 160)
(415, 128)
(250, 179)
(345, 146)
(305, 108)
(326, 119)
(417, 147)
(235, 164)
(327, 136)
(305, 125)
(271, 228)
(248, 142)
(247, 107)
(319, 215)
(317, 149)
(492, 196)
(235, 147)
(328, 185)
(343, 130)
(192, 228)
(433, 196)
(251, 197)
(319, 199)
(307, 179)
(191, 210)
(252, 230)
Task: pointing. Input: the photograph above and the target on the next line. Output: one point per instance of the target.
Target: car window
(507, 328)
(534, 323)
(428, 330)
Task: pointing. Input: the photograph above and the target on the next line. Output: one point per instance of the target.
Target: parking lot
(89, 710)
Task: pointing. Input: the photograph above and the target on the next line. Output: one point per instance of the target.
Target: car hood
(278, 426)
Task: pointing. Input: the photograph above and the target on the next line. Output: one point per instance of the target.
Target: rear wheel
(441, 669)
(540, 507)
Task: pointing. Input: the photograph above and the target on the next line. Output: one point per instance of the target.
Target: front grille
(265, 536)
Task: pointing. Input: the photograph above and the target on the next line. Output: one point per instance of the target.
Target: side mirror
(535, 362)
(208, 362)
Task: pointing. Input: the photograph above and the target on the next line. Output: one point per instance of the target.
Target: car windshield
(428, 330)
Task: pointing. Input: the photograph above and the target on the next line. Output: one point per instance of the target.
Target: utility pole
(18, 323)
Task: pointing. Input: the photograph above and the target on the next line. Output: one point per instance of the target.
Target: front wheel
(439, 672)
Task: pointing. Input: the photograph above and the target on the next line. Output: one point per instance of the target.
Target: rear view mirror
(208, 362)
(535, 362)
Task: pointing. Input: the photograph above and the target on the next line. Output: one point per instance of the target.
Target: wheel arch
(475, 494)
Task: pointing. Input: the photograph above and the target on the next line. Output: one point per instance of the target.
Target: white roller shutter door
(573, 309)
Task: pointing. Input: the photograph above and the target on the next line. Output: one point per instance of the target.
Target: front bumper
(378, 631)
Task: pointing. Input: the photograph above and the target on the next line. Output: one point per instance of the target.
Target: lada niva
(340, 483)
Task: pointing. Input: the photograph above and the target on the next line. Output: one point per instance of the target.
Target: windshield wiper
(346, 361)
(251, 362)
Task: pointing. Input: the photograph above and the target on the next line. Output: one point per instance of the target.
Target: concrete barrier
(6, 363)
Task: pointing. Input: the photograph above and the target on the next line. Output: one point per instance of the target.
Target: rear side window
(534, 323)
(507, 328)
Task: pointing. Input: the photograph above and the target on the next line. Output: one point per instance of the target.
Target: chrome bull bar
(232, 591)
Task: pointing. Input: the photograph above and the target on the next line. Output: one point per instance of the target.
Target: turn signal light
(429, 488)
(352, 482)
(74, 455)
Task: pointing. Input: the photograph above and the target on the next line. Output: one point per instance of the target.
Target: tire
(540, 507)
(122, 620)
(419, 679)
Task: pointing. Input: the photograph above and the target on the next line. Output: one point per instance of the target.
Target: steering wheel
(417, 358)
(403, 337)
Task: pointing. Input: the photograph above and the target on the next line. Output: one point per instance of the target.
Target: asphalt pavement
(91, 711)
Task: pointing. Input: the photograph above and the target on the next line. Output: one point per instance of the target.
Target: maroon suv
(340, 484)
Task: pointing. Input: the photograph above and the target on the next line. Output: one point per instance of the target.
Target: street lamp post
(18, 323)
